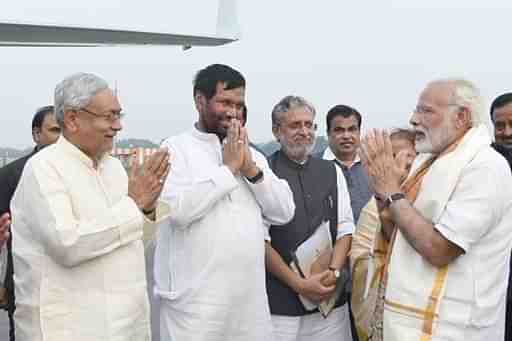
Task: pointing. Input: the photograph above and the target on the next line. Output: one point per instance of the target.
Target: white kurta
(78, 255)
(209, 266)
(467, 194)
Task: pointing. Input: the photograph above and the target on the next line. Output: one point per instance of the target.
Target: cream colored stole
(415, 287)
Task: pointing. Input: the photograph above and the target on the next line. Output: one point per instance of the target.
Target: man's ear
(463, 118)
(36, 134)
(200, 102)
(275, 131)
(71, 122)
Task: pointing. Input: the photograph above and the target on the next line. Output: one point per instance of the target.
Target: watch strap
(335, 271)
(148, 212)
(256, 178)
(392, 198)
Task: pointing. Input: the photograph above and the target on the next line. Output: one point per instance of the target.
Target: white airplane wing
(168, 23)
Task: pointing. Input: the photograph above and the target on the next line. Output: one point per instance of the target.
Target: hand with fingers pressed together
(403, 160)
(146, 181)
(233, 147)
(249, 168)
(384, 173)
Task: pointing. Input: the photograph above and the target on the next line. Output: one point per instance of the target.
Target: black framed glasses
(111, 115)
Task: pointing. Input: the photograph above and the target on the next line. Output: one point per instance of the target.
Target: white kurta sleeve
(190, 198)
(42, 199)
(345, 217)
(473, 206)
(274, 195)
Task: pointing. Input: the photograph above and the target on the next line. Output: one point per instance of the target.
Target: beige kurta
(78, 255)
(367, 258)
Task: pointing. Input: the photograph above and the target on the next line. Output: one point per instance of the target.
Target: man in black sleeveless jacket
(321, 200)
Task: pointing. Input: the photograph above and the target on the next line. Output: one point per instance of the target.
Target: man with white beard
(447, 263)
(321, 196)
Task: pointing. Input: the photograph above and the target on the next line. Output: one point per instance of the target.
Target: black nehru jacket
(9, 177)
(315, 192)
(507, 154)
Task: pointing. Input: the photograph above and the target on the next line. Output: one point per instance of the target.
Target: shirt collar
(329, 155)
(75, 152)
(291, 163)
(207, 137)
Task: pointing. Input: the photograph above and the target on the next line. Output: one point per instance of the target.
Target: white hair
(75, 92)
(289, 103)
(466, 94)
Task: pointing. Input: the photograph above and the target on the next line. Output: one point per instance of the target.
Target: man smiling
(321, 196)
(344, 136)
(209, 262)
(77, 226)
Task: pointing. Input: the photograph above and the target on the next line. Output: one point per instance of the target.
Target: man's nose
(117, 125)
(414, 119)
(346, 134)
(232, 114)
(508, 130)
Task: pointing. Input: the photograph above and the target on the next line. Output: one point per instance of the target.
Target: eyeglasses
(111, 115)
(424, 110)
(310, 126)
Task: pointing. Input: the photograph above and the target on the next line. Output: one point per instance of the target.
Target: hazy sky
(373, 55)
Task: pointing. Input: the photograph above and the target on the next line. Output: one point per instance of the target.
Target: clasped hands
(385, 172)
(146, 181)
(236, 154)
(321, 283)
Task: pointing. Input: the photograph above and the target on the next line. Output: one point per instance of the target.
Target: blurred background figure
(501, 115)
(368, 250)
(45, 131)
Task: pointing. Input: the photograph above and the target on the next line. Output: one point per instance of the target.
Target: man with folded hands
(448, 224)
(77, 226)
(209, 260)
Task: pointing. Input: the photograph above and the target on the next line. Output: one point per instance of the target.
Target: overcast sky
(374, 55)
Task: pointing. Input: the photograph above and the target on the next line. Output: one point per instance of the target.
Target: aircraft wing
(17, 34)
(20, 32)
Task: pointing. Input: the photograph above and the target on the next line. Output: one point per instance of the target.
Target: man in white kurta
(449, 256)
(209, 264)
(77, 232)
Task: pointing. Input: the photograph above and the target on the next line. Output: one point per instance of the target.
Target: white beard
(424, 145)
(435, 141)
(300, 152)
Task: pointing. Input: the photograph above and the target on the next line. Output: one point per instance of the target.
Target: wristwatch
(256, 178)
(390, 199)
(335, 271)
(148, 212)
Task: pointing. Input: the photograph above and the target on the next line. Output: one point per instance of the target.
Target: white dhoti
(467, 195)
(313, 327)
